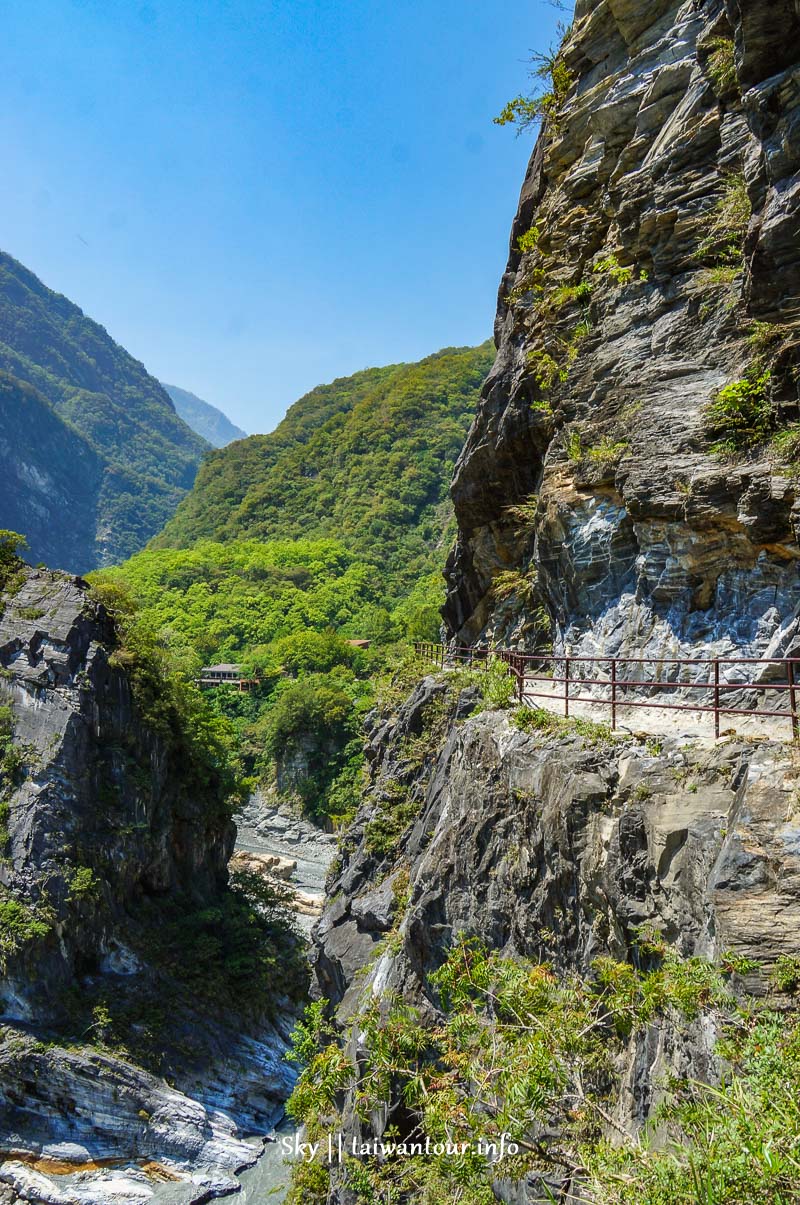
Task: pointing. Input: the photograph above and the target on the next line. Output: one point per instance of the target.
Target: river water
(268, 831)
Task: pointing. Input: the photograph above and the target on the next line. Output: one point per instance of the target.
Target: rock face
(110, 839)
(559, 849)
(617, 325)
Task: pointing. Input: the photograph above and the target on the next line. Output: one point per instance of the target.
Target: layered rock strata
(664, 265)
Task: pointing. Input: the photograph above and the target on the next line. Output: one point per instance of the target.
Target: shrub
(786, 444)
(529, 241)
(573, 445)
(726, 225)
(611, 265)
(538, 719)
(547, 371)
(607, 451)
(721, 66)
(740, 416)
(543, 103)
(499, 685)
(510, 583)
(19, 925)
(518, 1050)
(786, 973)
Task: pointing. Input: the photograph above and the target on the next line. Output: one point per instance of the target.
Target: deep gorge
(580, 941)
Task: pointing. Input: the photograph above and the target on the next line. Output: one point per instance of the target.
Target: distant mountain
(93, 457)
(366, 460)
(204, 418)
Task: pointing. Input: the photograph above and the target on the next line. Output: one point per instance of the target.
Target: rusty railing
(570, 672)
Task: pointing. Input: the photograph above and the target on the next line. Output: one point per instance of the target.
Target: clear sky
(256, 197)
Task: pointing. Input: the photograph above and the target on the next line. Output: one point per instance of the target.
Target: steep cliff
(106, 459)
(644, 400)
(125, 955)
(562, 848)
(514, 883)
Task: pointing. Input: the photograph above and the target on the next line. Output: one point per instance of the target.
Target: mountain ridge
(149, 456)
(360, 459)
(207, 421)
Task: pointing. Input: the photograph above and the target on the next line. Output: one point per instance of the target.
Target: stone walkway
(660, 721)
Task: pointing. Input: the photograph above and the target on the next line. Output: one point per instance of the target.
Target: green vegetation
(553, 81)
(786, 973)
(83, 884)
(366, 460)
(741, 416)
(515, 583)
(19, 926)
(611, 266)
(135, 457)
(725, 227)
(721, 66)
(201, 741)
(285, 610)
(521, 1054)
(11, 566)
(394, 813)
(238, 955)
(538, 719)
(546, 370)
(529, 241)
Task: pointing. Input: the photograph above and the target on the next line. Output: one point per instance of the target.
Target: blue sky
(254, 198)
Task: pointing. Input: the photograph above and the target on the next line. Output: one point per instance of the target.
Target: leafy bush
(19, 925)
(394, 813)
(499, 686)
(11, 565)
(547, 371)
(740, 416)
(542, 103)
(607, 451)
(519, 1053)
(514, 583)
(786, 973)
(529, 241)
(539, 719)
(611, 266)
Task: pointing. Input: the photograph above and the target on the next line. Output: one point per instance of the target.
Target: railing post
(716, 698)
(613, 692)
(792, 697)
(566, 685)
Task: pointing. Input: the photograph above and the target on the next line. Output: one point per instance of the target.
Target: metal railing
(570, 673)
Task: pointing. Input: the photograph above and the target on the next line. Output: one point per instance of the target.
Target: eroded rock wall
(559, 848)
(643, 539)
(108, 837)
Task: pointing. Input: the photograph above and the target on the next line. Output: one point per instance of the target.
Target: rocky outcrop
(560, 848)
(116, 841)
(632, 303)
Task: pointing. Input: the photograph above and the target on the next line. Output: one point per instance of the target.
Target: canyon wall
(663, 267)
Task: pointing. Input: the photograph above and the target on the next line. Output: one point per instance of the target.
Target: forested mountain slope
(365, 459)
(206, 420)
(105, 399)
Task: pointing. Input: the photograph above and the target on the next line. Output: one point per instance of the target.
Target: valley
(372, 887)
